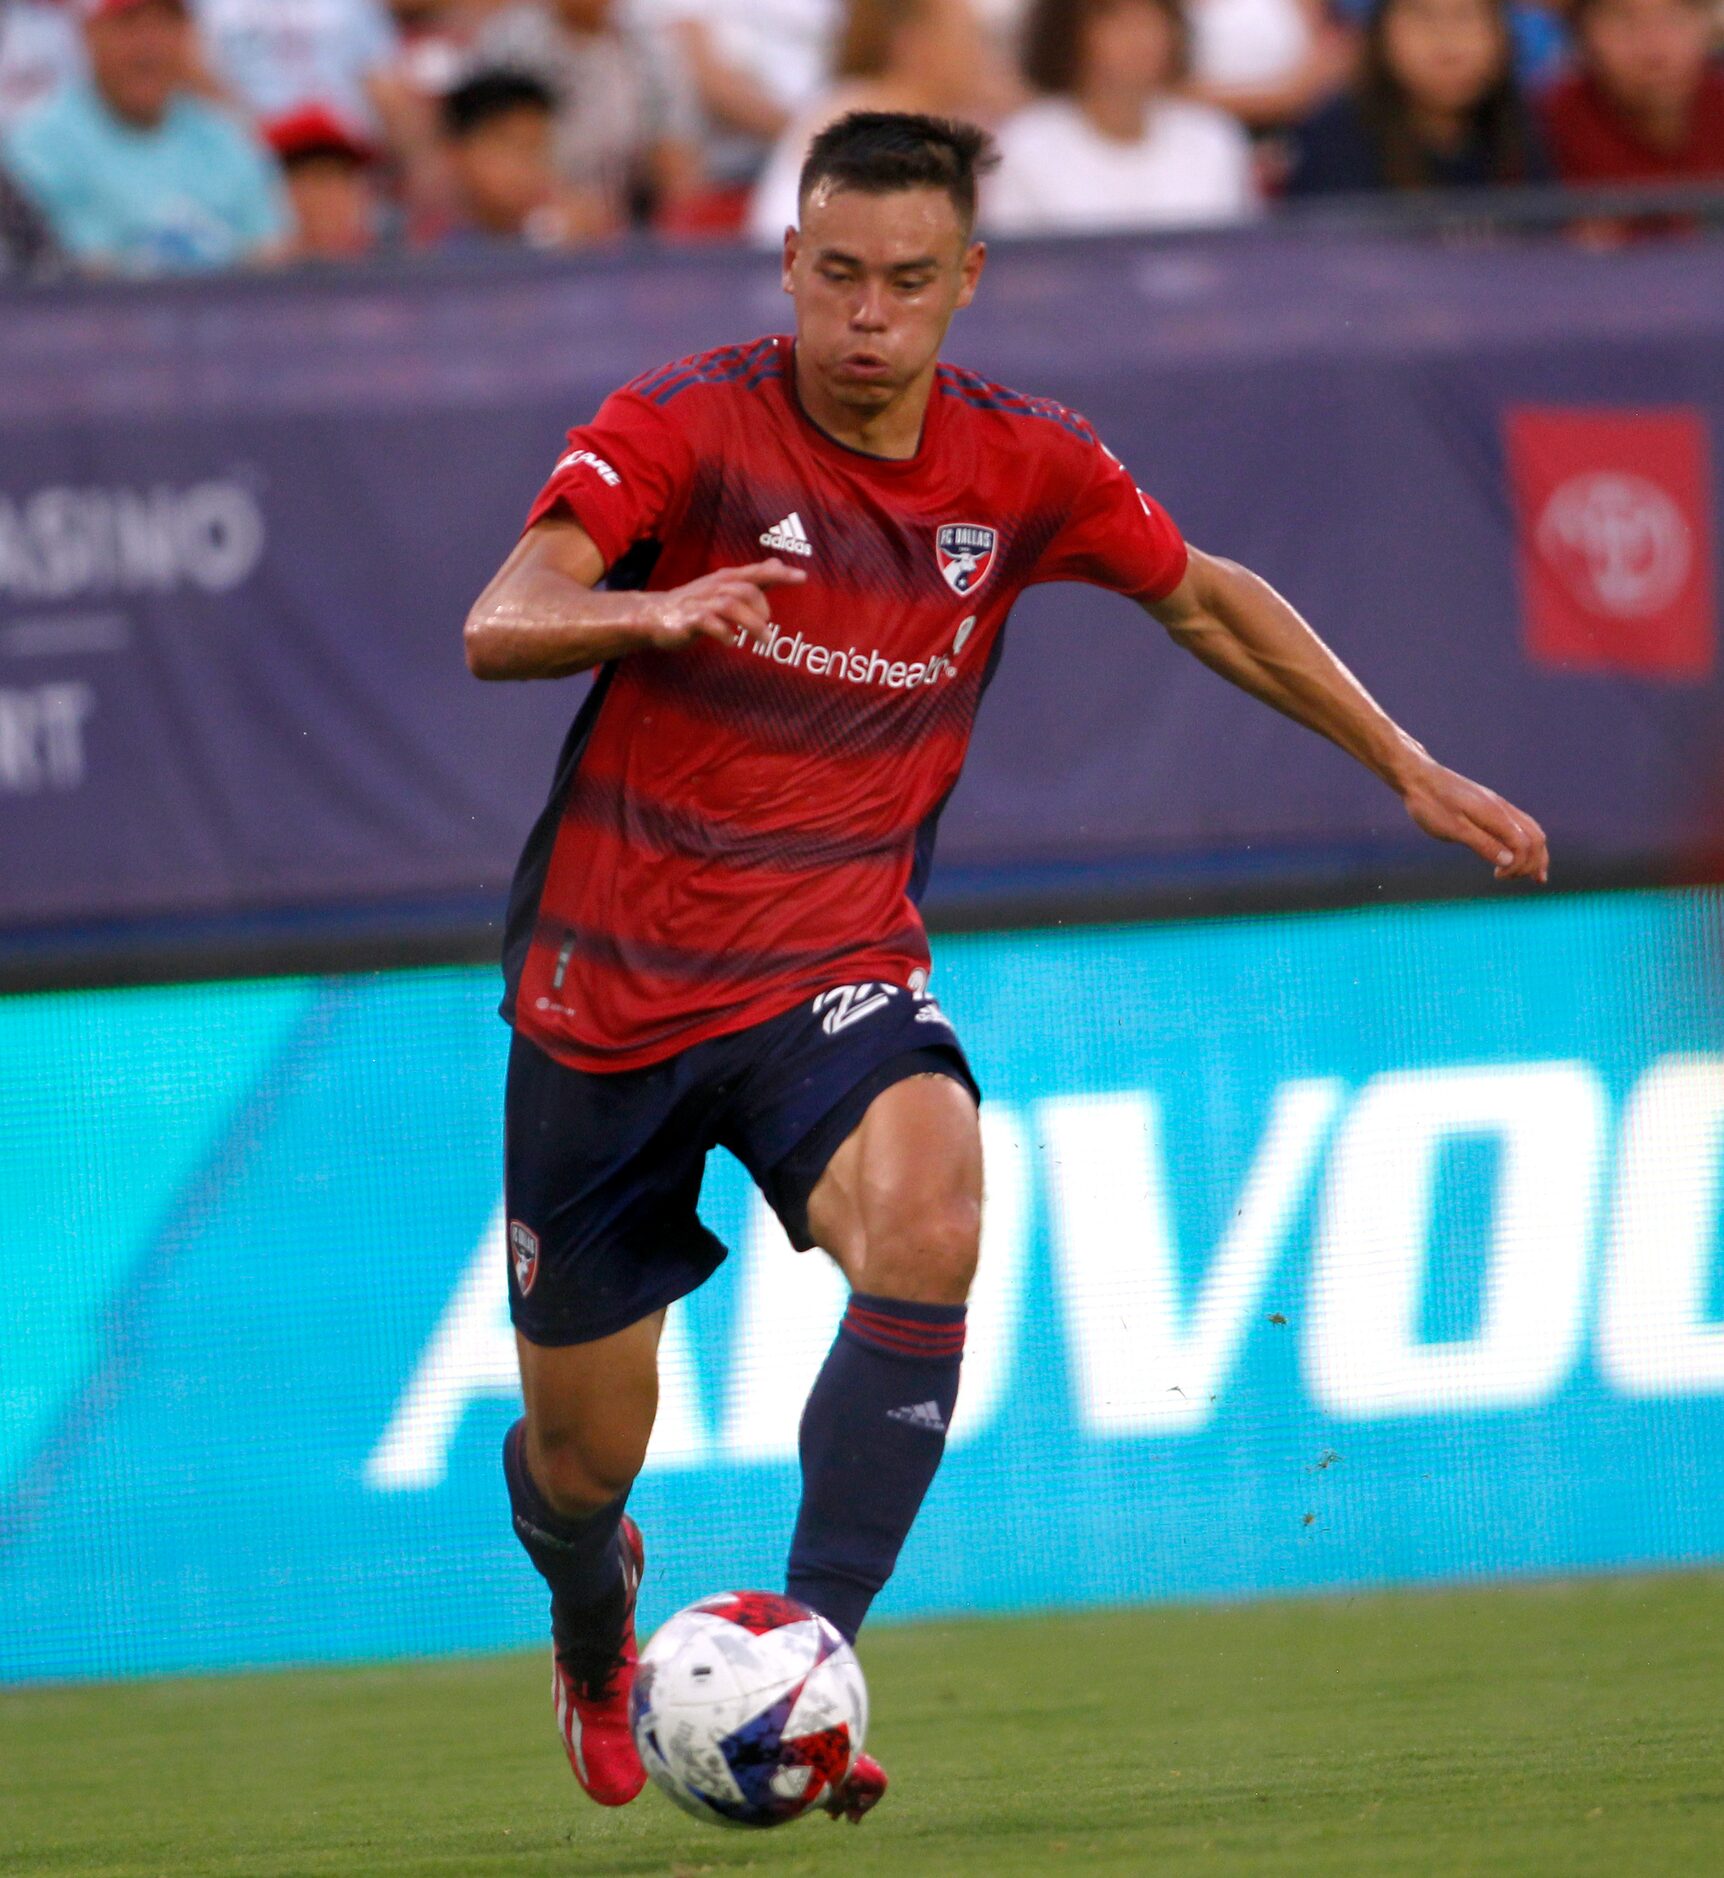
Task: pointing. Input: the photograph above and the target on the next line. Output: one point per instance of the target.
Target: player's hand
(1453, 808)
(718, 606)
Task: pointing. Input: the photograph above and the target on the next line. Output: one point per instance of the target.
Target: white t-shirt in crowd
(785, 46)
(1239, 43)
(279, 55)
(1059, 174)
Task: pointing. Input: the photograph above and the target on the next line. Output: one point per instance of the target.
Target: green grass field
(1559, 1729)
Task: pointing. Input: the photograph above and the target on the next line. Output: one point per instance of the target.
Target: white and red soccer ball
(748, 1709)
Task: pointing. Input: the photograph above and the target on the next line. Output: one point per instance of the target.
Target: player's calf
(900, 1208)
(873, 1435)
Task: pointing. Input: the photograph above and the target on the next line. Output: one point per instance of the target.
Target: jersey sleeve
(1113, 535)
(621, 475)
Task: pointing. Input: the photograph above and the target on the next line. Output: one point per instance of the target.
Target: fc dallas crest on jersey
(524, 1250)
(966, 552)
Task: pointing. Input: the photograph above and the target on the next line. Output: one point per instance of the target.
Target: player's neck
(893, 431)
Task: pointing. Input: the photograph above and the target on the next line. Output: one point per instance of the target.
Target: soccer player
(810, 545)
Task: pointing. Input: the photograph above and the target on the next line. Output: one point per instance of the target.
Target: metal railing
(1597, 215)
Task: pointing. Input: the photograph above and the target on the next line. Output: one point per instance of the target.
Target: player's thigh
(590, 1410)
(899, 1205)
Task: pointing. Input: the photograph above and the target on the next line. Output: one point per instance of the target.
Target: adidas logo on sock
(788, 537)
(920, 1415)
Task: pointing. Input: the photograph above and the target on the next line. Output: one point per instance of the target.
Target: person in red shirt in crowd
(1647, 102)
(332, 185)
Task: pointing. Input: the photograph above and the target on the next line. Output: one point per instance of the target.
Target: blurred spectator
(276, 56)
(627, 126)
(1646, 105)
(1539, 28)
(26, 246)
(1111, 144)
(1436, 106)
(435, 37)
(331, 173)
(500, 129)
(894, 55)
(133, 171)
(39, 50)
(1269, 62)
(279, 56)
(756, 65)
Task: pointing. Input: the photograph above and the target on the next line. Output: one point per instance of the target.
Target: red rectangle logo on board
(1613, 511)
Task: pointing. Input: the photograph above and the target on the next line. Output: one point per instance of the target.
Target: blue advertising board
(240, 528)
(1323, 1250)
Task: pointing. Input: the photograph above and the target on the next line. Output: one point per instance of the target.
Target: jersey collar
(848, 453)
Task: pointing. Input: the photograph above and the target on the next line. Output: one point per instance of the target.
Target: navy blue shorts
(603, 1171)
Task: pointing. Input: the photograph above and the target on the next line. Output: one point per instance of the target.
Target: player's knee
(927, 1256)
(578, 1475)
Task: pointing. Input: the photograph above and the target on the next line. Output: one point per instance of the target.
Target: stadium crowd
(151, 136)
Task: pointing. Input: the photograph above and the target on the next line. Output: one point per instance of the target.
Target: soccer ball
(748, 1708)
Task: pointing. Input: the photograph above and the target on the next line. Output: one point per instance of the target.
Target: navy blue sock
(872, 1437)
(578, 1558)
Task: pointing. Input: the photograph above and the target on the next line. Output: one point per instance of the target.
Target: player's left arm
(1239, 626)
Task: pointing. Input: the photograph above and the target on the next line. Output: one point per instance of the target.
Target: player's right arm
(542, 615)
(624, 478)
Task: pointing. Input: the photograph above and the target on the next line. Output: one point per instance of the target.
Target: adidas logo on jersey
(788, 537)
(920, 1415)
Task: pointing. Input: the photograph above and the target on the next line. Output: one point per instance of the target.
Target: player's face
(876, 280)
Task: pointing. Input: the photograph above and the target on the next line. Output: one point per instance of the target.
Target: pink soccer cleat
(591, 1690)
(859, 1792)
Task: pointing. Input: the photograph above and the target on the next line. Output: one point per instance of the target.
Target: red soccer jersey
(735, 827)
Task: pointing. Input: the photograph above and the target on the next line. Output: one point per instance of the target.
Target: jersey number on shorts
(845, 1005)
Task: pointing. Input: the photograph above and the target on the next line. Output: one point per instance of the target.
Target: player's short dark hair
(879, 152)
(483, 97)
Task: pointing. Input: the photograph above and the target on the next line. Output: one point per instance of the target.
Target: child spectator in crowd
(331, 174)
(627, 127)
(39, 51)
(500, 132)
(136, 173)
(275, 57)
(1436, 106)
(1112, 143)
(1647, 103)
(894, 55)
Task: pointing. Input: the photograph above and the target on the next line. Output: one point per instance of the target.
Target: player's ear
(791, 245)
(970, 271)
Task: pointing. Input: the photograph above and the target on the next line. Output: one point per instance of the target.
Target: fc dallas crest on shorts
(966, 552)
(524, 1251)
